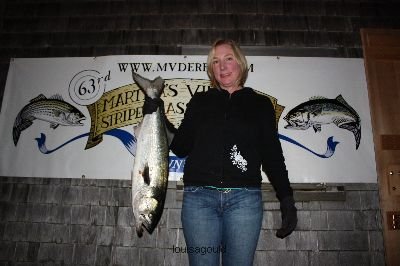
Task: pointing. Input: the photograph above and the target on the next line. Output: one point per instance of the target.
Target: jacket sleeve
(183, 140)
(273, 161)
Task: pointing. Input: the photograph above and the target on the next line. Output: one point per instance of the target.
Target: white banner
(73, 117)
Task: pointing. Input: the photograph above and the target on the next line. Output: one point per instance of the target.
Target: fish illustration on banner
(320, 111)
(53, 110)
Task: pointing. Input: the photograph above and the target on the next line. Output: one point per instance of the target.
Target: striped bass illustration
(53, 110)
(150, 167)
(321, 111)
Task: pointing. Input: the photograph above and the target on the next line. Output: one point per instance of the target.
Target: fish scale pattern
(89, 222)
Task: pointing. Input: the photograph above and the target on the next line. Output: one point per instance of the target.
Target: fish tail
(145, 85)
(357, 134)
(355, 128)
(16, 135)
(20, 124)
(16, 132)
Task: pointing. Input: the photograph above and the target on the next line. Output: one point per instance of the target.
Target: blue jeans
(216, 222)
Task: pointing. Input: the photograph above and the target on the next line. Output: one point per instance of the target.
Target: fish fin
(38, 98)
(19, 126)
(57, 97)
(16, 135)
(340, 99)
(348, 126)
(139, 229)
(355, 128)
(339, 121)
(317, 128)
(317, 98)
(158, 83)
(54, 125)
(146, 175)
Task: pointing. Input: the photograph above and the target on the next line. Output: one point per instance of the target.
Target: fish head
(148, 210)
(71, 117)
(297, 119)
(67, 115)
(75, 118)
(147, 221)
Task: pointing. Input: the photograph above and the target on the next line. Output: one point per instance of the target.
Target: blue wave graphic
(129, 141)
(125, 137)
(330, 146)
(176, 164)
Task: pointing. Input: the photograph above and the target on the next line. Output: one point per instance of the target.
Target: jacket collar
(242, 91)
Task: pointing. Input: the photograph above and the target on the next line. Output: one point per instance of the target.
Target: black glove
(150, 105)
(289, 217)
(170, 127)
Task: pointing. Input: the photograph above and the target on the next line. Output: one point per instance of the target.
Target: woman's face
(225, 68)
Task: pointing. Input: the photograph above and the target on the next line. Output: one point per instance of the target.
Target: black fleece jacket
(227, 138)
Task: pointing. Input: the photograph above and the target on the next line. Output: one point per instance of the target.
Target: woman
(227, 134)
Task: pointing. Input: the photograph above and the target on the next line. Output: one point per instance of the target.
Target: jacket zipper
(227, 111)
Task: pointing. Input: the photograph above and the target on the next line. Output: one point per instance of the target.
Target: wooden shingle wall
(54, 28)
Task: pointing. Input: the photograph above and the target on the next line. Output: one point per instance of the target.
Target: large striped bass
(150, 167)
(321, 111)
(53, 110)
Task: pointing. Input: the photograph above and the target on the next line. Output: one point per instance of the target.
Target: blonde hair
(239, 56)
